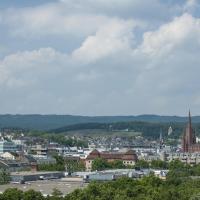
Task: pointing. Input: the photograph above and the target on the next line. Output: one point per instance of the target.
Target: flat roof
(23, 173)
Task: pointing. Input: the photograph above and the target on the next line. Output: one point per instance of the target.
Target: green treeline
(148, 188)
(100, 164)
(148, 129)
(49, 122)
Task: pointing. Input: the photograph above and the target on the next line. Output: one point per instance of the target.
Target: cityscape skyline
(94, 96)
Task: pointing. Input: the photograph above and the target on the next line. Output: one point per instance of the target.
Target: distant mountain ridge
(47, 122)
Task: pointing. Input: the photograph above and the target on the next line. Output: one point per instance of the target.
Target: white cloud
(114, 37)
(172, 65)
(170, 35)
(81, 18)
(190, 4)
(151, 9)
(25, 68)
(122, 66)
(50, 20)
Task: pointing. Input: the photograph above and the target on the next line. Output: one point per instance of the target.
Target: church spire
(161, 139)
(189, 138)
(190, 120)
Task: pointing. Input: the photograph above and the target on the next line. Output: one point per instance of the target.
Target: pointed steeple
(189, 137)
(190, 120)
(161, 135)
(161, 139)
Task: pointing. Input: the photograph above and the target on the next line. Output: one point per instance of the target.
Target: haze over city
(100, 57)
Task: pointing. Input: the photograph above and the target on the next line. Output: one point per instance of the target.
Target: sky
(100, 57)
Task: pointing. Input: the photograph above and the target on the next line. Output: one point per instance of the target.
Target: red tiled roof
(129, 155)
(94, 154)
(130, 152)
(111, 156)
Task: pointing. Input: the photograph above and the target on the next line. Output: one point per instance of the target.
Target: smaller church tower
(161, 141)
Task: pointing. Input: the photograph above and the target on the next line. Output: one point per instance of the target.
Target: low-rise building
(188, 158)
(128, 158)
(44, 159)
(22, 177)
(10, 156)
(39, 150)
(109, 175)
(7, 146)
(15, 165)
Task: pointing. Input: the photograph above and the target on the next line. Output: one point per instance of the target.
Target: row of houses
(187, 158)
(20, 162)
(17, 162)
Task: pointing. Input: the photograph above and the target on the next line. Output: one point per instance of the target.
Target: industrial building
(22, 177)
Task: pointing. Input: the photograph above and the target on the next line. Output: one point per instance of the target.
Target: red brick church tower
(189, 138)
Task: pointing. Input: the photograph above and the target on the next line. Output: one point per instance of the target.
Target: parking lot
(46, 186)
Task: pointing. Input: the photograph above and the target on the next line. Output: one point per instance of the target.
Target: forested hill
(47, 122)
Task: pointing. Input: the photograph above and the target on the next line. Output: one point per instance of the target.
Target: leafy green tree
(74, 165)
(32, 195)
(117, 164)
(151, 180)
(195, 170)
(176, 164)
(159, 164)
(59, 166)
(142, 164)
(51, 167)
(100, 164)
(13, 194)
(57, 193)
(4, 176)
(77, 194)
(59, 160)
